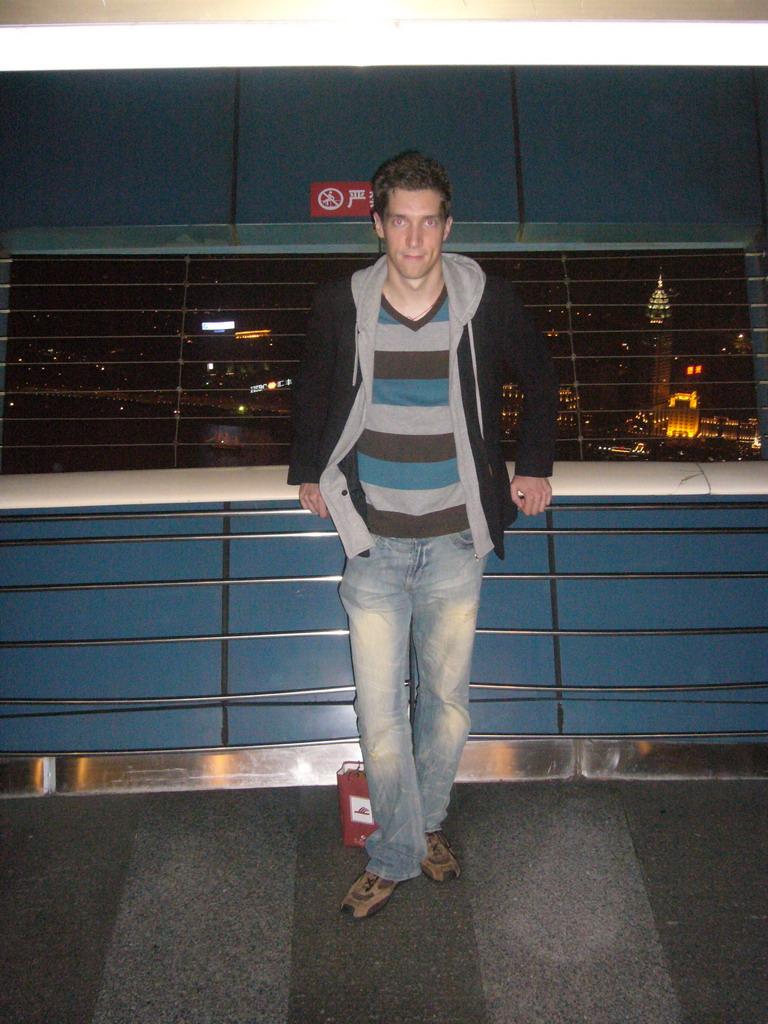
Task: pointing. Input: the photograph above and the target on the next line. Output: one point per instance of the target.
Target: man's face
(414, 229)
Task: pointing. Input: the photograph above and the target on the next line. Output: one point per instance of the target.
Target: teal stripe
(410, 392)
(408, 476)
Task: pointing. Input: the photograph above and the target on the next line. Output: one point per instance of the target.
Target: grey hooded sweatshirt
(464, 281)
(490, 340)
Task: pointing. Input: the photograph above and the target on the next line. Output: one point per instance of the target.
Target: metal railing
(741, 524)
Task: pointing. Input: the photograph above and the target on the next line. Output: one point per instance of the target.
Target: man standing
(396, 436)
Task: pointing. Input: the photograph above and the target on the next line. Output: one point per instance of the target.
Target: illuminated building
(742, 344)
(512, 401)
(683, 415)
(659, 312)
(724, 428)
(659, 309)
(568, 408)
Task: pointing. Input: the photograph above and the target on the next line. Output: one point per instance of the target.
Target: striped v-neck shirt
(407, 451)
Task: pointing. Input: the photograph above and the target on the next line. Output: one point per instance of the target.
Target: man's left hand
(531, 494)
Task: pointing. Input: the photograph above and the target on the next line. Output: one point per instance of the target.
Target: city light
(682, 389)
(273, 385)
(218, 326)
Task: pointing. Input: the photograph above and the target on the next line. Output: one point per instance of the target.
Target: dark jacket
(506, 348)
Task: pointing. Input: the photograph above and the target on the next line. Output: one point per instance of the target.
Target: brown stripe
(434, 524)
(407, 447)
(411, 365)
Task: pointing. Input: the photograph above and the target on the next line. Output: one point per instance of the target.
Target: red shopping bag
(354, 803)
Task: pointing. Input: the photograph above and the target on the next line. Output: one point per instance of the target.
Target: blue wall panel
(339, 124)
(648, 553)
(515, 604)
(284, 663)
(111, 672)
(295, 556)
(276, 607)
(102, 563)
(291, 724)
(552, 672)
(493, 712)
(676, 146)
(525, 550)
(698, 657)
(698, 711)
(657, 145)
(663, 660)
(97, 615)
(112, 731)
(132, 522)
(661, 604)
(116, 147)
(519, 660)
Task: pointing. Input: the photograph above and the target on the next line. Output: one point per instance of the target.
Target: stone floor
(590, 902)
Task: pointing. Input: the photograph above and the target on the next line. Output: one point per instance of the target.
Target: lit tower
(659, 313)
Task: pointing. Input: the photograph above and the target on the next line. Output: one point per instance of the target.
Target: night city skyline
(150, 362)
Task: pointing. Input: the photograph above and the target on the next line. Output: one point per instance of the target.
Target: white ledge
(267, 483)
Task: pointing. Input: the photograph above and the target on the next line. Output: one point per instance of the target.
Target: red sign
(340, 199)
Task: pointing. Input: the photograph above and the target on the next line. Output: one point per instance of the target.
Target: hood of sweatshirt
(464, 280)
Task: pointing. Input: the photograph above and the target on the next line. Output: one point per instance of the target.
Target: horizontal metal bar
(143, 584)
(551, 691)
(619, 531)
(293, 634)
(693, 735)
(542, 699)
(697, 631)
(634, 531)
(188, 638)
(557, 506)
(251, 580)
(553, 699)
(95, 711)
(232, 698)
(703, 504)
(663, 688)
(149, 538)
(217, 513)
(703, 575)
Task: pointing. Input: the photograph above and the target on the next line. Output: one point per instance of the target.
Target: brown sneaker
(368, 895)
(440, 863)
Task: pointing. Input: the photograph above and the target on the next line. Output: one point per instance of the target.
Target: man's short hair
(411, 171)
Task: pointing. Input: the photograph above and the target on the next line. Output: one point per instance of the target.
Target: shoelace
(437, 841)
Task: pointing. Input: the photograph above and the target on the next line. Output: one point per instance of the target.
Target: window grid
(109, 365)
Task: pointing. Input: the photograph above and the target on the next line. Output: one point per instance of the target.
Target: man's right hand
(311, 499)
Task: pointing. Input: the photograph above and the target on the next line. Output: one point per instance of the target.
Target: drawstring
(477, 385)
(357, 355)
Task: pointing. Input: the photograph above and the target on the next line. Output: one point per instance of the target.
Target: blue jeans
(433, 586)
